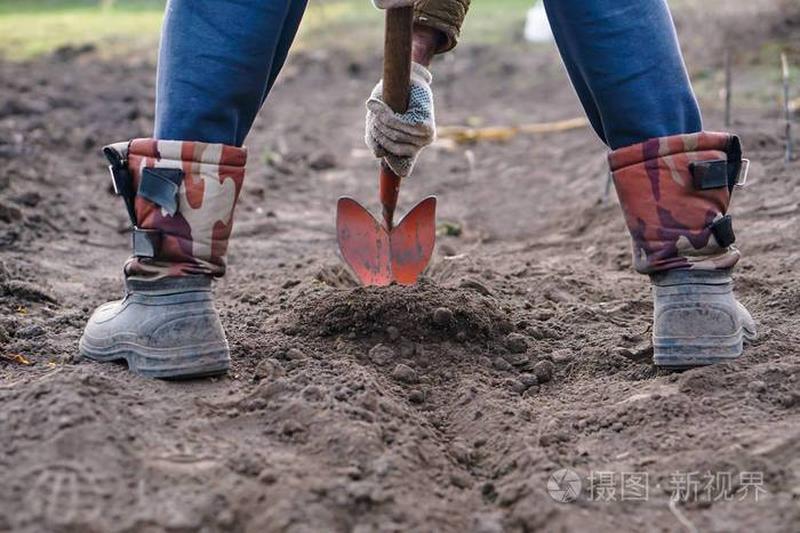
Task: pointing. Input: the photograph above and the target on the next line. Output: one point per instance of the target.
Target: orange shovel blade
(378, 256)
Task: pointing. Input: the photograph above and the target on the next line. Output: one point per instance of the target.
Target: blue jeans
(219, 60)
(217, 63)
(625, 63)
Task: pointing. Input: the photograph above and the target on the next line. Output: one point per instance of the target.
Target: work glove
(389, 4)
(399, 138)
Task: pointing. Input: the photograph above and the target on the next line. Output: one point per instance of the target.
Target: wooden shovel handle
(396, 86)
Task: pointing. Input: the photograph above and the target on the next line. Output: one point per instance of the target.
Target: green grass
(29, 28)
(32, 27)
(355, 23)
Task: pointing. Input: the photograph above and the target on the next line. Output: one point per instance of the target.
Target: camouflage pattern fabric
(194, 240)
(669, 220)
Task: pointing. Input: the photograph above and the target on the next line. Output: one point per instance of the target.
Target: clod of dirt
(380, 354)
(519, 360)
(295, 354)
(393, 333)
(442, 316)
(9, 213)
(269, 369)
(517, 386)
(757, 386)
(322, 161)
(31, 331)
(369, 311)
(29, 199)
(476, 286)
(516, 343)
(543, 371)
(502, 364)
(416, 396)
(405, 373)
(26, 291)
(561, 356)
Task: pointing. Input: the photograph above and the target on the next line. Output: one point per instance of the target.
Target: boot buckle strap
(146, 242)
(722, 230)
(161, 186)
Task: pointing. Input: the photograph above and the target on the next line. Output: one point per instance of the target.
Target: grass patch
(32, 27)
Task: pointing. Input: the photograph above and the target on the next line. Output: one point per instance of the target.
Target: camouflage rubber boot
(675, 192)
(180, 197)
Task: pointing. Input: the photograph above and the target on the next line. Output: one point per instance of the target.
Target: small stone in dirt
(617, 426)
(267, 476)
(9, 213)
(296, 354)
(460, 480)
(643, 353)
(313, 393)
(517, 359)
(502, 364)
(516, 386)
(292, 427)
(529, 380)
(342, 393)
(543, 371)
(531, 391)
(516, 343)
(393, 333)
(29, 332)
(288, 284)
(561, 356)
(268, 369)
(404, 373)
(380, 354)
(416, 396)
(757, 386)
(322, 161)
(442, 316)
(29, 199)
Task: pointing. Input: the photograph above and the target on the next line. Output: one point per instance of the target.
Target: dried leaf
(16, 358)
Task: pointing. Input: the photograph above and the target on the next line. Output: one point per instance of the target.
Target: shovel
(380, 253)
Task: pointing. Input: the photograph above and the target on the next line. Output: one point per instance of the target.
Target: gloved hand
(389, 4)
(399, 138)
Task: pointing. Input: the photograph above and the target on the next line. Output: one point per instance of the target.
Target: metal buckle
(741, 182)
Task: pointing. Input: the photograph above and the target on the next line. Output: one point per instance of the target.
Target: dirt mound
(425, 312)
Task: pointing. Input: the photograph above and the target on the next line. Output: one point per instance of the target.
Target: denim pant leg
(217, 62)
(626, 65)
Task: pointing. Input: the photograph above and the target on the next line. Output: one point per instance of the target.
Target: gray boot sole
(184, 362)
(167, 329)
(697, 320)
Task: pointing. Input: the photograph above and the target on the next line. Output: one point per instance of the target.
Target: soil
(441, 407)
